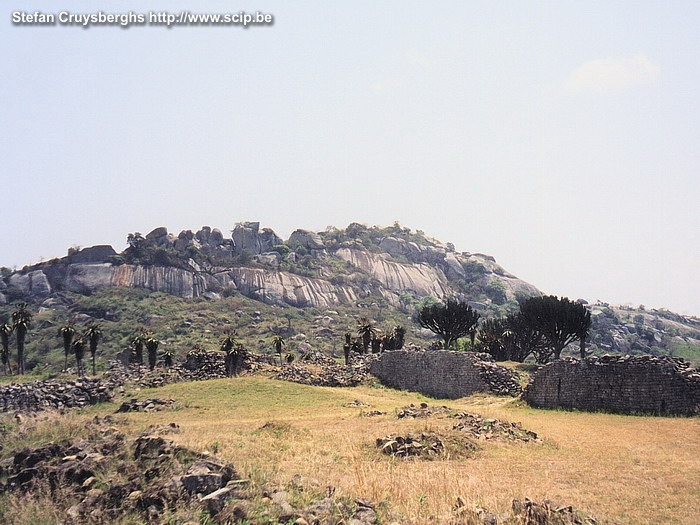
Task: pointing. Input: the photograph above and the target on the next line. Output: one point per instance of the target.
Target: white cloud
(607, 75)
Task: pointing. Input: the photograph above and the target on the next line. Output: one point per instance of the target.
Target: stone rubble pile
(147, 405)
(500, 380)
(335, 375)
(481, 428)
(331, 374)
(317, 358)
(422, 411)
(425, 444)
(525, 512)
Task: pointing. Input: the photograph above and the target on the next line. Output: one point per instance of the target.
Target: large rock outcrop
(282, 288)
(85, 278)
(419, 278)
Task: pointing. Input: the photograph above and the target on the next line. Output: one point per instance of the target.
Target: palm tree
(168, 358)
(67, 332)
(346, 353)
(5, 332)
(137, 341)
(79, 351)
(152, 347)
(228, 345)
(21, 322)
(399, 336)
(93, 333)
(278, 342)
(365, 329)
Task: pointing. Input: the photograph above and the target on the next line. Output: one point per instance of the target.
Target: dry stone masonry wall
(618, 384)
(444, 374)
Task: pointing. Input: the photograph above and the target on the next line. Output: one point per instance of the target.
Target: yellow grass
(620, 469)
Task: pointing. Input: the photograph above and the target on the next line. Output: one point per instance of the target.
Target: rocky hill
(308, 270)
(390, 270)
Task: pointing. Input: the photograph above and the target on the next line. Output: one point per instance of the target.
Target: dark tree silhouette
(399, 337)
(168, 358)
(278, 342)
(493, 335)
(366, 330)
(138, 341)
(67, 332)
(21, 322)
(93, 334)
(79, 351)
(346, 352)
(559, 321)
(450, 320)
(376, 344)
(5, 333)
(152, 344)
(232, 348)
(522, 340)
(394, 340)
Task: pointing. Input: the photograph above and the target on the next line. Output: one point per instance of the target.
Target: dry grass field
(619, 469)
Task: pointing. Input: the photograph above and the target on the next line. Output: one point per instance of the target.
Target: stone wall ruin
(618, 384)
(444, 374)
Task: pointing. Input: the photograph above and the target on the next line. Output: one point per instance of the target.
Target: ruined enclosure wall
(618, 384)
(443, 374)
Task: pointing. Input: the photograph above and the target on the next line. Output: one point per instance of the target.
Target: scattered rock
(373, 413)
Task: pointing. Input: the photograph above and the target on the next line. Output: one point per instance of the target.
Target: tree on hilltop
(450, 320)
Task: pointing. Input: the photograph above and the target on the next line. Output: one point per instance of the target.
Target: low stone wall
(41, 395)
(444, 374)
(618, 384)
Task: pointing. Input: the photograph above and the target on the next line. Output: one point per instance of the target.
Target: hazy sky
(560, 137)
